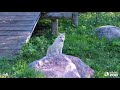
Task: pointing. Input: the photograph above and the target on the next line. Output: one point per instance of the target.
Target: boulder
(108, 31)
(62, 66)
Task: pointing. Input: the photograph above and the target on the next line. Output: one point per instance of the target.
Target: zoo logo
(111, 74)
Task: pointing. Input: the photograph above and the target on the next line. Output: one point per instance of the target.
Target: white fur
(57, 46)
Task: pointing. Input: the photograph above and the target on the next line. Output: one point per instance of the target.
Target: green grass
(101, 55)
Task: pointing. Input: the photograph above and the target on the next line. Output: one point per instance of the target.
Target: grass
(101, 55)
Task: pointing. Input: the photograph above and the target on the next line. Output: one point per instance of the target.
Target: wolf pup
(57, 46)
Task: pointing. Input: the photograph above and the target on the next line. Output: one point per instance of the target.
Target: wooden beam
(57, 15)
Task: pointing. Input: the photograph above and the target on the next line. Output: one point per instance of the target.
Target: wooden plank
(26, 27)
(14, 45)
(8, 53)
(18, 17)
(14, 33)
(12, 42)
(15, 25)
(12, 25)
(17, 22)
(6, 39)
(19, 13)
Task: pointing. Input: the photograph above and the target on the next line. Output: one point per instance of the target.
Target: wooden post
(55, 26)
(75, 18)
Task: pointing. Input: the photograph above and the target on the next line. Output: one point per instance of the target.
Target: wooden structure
(54, 16)
(15, 29)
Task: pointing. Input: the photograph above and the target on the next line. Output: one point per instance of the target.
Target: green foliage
(100, 54)
(35, 49)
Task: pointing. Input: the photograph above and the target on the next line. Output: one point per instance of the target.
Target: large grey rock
(108, 31)
(62, 66)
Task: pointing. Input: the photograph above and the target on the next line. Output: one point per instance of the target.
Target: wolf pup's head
(61, 37)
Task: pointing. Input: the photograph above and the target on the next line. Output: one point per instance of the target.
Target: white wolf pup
(57, 46)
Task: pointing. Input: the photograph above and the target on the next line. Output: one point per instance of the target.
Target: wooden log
(55, 26)
(75, 18)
